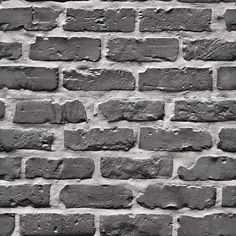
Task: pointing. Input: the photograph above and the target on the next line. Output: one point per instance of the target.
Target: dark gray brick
(11, 51)
(10, 168)
(125, 168)
(177, 197)
(139, 50)
(227, 140)
(7, 224)
(96, 139)
(96, 196)
(65, 168)
(100, 20)
(184, 139)
(65, 49)
(230, 19)
(2, 109)
(226, 78)
(229, 196)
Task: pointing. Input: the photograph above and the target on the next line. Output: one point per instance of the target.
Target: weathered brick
(10, 168)
(138, 225)
(7, 224)
(28, 18)
(184, 139)
(38, 112)
(2, 109)
(125, 168)
(12, 139)
(227, 140)
(177, 197)
(31, 78)
(98, 80)
(100, 20)
(96, 139)
(174, 19)
(96, 196)
(139, 50)
(229, 196)
(230, 19)
(11, 51)
(209, 111)
(56, 224)
(205, 1)
(176, 80)
(25, 195)
(210, 168)
(226, 78)
(210, 225)
(65, 168)
(144, 110)
(65, 49)
(54, 0)
(210, 50)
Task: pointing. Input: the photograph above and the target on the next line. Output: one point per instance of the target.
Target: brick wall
(118, 118)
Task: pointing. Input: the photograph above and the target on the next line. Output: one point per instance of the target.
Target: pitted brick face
(117, 118)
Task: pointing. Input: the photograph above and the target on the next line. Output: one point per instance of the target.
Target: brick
(219, 168)
(31, 78)
(184, 139)
(145, 110)
(227, 140)
(39, 112)
(2, 109)
(65, 168)
(209, 50)
(138, 225)
(176, 80)
(54, 0)
(100, 20)
(56, 224)
(177, 197)
(96, 139)
(142, 50)
(210, 111)
(126, 168)
(230, 19)
(98, 80)
(10, 51)
(229, 196)
(13, 139)
(65, 49)
(95, 196)
(10, 168)
(37, 196)
(28, 19)
(226, 78)
(7, 224)
(210, 225)
(205, 1)
(174, 19)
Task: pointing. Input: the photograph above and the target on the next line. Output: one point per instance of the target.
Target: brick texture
(117, 118)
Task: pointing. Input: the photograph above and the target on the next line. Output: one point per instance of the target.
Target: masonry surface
(118, 118)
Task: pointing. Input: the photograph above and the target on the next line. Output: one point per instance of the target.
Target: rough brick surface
(174, 19)
(177, 197)
(217, 224)
(199, 111)
(56, 224)
(110, 197)
(65, 49)
(226, 78)
(210, 168)
(25, 195)
(38, 112)
(2, 109)
(122, 225)
(116, 110)
(227, 140)
(185, 139)
(31, 78)
(175, 80)
(100, 20)
(11, 51)
(228, 196)
(96, 139)
(10, 168)
(125, 168)
(230, 19)
(138, 50)
(98, 80)
(70, 168)
(7, 224)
